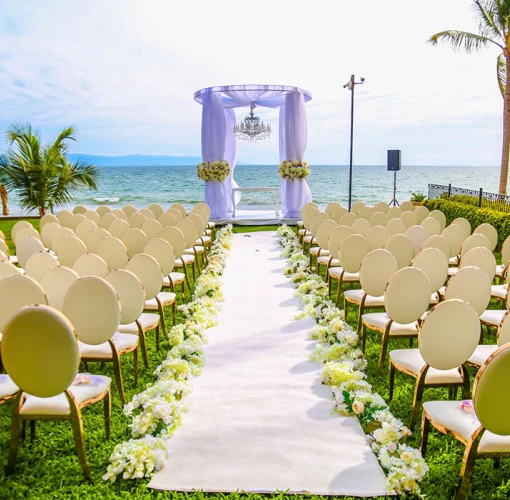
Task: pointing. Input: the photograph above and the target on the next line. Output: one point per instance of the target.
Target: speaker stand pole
(394, 201)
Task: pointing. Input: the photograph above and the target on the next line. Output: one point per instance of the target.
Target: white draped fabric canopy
(219, 142)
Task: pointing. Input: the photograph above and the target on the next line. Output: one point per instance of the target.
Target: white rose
(358, 407)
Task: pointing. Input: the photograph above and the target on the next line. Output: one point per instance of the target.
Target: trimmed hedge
(475, 215)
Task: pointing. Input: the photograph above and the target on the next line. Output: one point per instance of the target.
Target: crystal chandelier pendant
(251, 129)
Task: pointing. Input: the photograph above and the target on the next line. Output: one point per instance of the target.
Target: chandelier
(251, 129)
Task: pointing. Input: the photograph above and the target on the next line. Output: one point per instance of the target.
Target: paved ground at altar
(259, 419)
(256, 218)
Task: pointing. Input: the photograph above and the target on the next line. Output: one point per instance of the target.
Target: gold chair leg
(364, 337)
(418, 396)
(468, 464)
(107, 414)
(161, 322)
(392, 380)
(80, 442)
(186, 277)
(425, 428)
(384, 347)
(118, 376)
(15, 434)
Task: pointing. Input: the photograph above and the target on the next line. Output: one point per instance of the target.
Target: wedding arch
(219, 143)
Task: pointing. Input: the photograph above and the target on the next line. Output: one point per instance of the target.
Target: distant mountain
(139, 160)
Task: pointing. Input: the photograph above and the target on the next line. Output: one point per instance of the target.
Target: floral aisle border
(156, 412)
(343, 369)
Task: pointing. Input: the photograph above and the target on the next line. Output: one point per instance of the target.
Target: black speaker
(394, 160)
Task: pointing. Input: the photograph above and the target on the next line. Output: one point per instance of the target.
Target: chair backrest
(95, 237)
(175, 237)
(38, 264)
(90, 264)
(152, 228)
(480, 257)
(175, 213)
(324, 232)
(400, 246)
(336, 238)
(338, 213)
(377, 237)
(180, 207)
(376, 269)
(421, 213)
(505, 251)
(434, 264)
(65, 218)
(8, 269)
(361, 226)
(357, 207)
(47, 233)
(118, 227)
(189, 230)
(149, 214)
(40, 352)
(491, 392)
(417, 235)
(473, 241)
(84, 228)
(120, 214)
(59, 234)
(106, 220)
(77, 218)
(407, 295)
(431, 225)
(449, 334)
(393, 213)
(504, 330)
(347, 219)
(46, 219)
(378, 219)
(464, 224)
(198, 221)
(440, 217)
(439, 242)
(409, 219)
(396, 226)
(114, 253)
(308, 212)
(135, 240)
(79, 209)
(16, 292)
(167, 219)
(407, 206)
(490, 232)
(471, 285)
(103, 210)
(332, 207)
(26, 247)
(352, 252)
(136, 220)
(316, 221)
(3, 257)
(163, 252)
(93, 308)
(4, 248)
(26, 231)
(147, 270)
(55, 282)
(205, 206)
(69, 249)
(93, 216)
(366, 213)
(129, 210)
(454, 234)
(381, 206)
(202, 213)
(130, 292)
(156, 209)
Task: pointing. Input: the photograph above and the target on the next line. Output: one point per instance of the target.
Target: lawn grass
(48, 467)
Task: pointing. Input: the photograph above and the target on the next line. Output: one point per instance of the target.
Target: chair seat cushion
(13, 259)
(324, 261)
(499, 291)
(452, 271)
(355, 296)
(379, 321)
(211, 225)
(482, 352)
(317, 250)
(412, 361)
(84, 387)
(176, 279)
(204, 238)
(448, 414)
(191, 251)
(148, 321)
(208, 232)
(166, 298)
(7, 386)
(122, 341)
(186, 258)
(309, 239)
(335, 273)
(500, 269)
(300, 223)
(453, 261)
(492, 316)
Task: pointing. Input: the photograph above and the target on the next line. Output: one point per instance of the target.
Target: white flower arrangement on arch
(213, 170)
(294, 170)
(344, 370)
(157, 411)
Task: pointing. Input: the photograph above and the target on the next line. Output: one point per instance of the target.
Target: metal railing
(477, 198)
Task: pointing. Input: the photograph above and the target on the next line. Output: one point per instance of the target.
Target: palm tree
(493, 18)
(41, 174)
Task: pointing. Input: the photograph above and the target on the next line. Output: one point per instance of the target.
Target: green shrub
(462, 198)
(475, 215)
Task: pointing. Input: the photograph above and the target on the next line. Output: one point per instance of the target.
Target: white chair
(84, 228)
(377, 237)
(114, 253)
(8, 269)
(175, 237)
(118, 228)
(152, 228)
(41, 354)
(106, 220)
(409, 219)
(360, 226)
(90, 264)
(434, 264)
(166, 220)
(95, 237)
(381, 206)
(135, 240)
(396, 226)
(47, 233)
(55, 282)
(103, 210)
(417, 235)
(400, 246)
(407, 206)
(147, 213)
(378, 219)
(431, 225)
(26, 247)
(69, 249)
(39, 263)
(421, 213)
(156, 209)
(335, 240)
(129, 210)
(490, 232)
(455, 236)
(136, 220)
(93, 216)
(440, 217)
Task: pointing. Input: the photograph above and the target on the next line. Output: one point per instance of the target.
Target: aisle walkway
(260, 420)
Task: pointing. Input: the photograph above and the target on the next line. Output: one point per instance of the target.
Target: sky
(123, 72)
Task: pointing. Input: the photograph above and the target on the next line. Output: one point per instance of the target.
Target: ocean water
(141, 186)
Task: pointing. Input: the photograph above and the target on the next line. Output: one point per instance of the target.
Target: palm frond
(488, 20)
(501, 69)
(470, 42)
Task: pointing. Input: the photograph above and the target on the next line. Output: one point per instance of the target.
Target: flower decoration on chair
(213, 170)
(294, 170)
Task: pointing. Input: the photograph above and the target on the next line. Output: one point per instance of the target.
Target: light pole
(350, 85)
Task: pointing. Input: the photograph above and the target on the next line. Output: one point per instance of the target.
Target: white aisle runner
(259, 418)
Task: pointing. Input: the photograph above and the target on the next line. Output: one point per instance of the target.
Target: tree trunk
(503, 177)
(42, 210)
